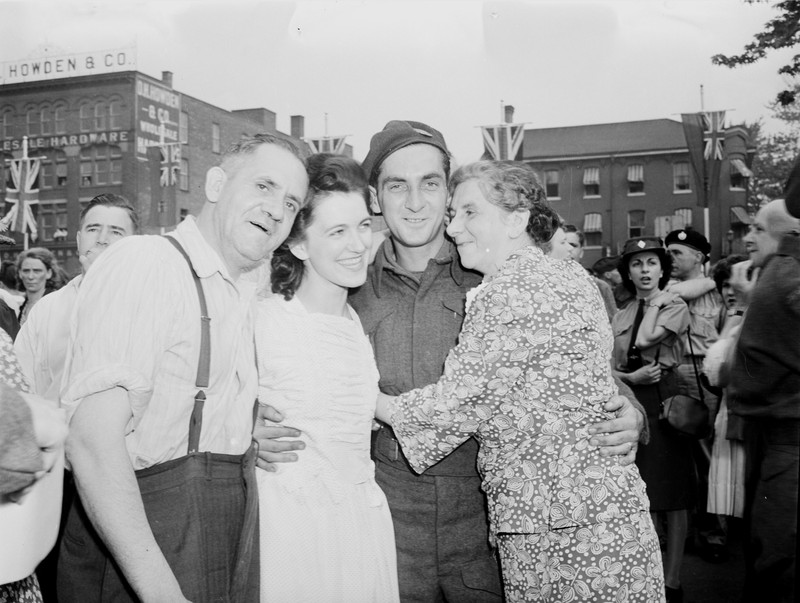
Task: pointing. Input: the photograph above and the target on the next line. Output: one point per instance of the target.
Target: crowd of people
(278, 401)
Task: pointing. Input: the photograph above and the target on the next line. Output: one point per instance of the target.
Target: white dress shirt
(137, 326)
(41, 344)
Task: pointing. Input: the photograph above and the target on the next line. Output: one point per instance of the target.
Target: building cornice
(604, 156)
(70, 82)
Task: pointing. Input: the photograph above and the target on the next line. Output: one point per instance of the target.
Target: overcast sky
(448, 63)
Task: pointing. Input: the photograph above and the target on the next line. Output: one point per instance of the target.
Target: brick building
(92, 133)
(620, 180)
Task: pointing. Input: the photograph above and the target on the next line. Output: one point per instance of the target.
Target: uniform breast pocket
(621, 329)
(703, 326)
(622, 338)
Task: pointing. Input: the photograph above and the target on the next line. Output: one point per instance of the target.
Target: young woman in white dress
(326, 530)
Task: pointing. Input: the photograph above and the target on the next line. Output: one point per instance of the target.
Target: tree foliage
(781, 32)
(771, 164)
(774, 154)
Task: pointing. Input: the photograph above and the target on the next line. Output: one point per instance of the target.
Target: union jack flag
(22, 193)
(713, 134)
(327, 144)
(503, 141)
(170, 164)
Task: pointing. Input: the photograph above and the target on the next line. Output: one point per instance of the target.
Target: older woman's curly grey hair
(512, 185)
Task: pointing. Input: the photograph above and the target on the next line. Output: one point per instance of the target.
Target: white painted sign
(158, 111)
(58, 140)
(68, 65)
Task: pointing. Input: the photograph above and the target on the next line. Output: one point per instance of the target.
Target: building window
(183, 127)
(682, 218)
(34, 118)
(53, 173)
(551, 184)
(61, 173)
(115, 168)
(593, 230)
(8, 123)
(636, 179)
(739, 174)
(100, 116)
(52, 219)
(184, 175)
(591, 182)
(215, 146)
(87, 172)
(680, 177)
(115, 115)
(86, 112)
(47, 121)
(684, 215)
(60, 118)
(636, 223)
(101, 165)
(738, 182)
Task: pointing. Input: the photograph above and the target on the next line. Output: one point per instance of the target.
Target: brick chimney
(166, 77)
(298, 126)
(509, 114)
(265, 118)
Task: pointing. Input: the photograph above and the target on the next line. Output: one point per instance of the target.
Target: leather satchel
(685, 414)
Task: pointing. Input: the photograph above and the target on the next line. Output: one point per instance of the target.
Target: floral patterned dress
(529, 375)
(27, 589)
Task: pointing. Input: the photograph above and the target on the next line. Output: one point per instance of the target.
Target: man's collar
(76, 282)
(205, 259)
(386, 259)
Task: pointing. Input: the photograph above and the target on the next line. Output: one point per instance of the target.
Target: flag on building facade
(713, 151)
(713, 134)
(22, 193)
(327, 144)
(705, 137)
(165, 164)
(170, 164)
(503, 141)
(693, 132)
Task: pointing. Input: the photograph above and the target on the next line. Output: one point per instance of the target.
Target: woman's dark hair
(46, 257)
(327, 174)
(8, 275)
(513, 185)
(722, 269)
(666, 267)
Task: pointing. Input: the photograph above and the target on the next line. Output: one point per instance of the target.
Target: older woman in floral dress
(529, 375)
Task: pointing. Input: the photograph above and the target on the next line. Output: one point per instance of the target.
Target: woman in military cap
(647, 347)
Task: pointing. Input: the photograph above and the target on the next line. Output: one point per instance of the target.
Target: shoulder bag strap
(658, 383)
(204, 362)
(694, 364)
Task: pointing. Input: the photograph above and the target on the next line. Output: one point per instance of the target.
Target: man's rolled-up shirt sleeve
(123, 323)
